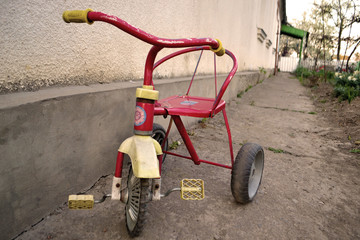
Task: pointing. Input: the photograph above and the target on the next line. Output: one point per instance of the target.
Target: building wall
(38, 48)
(58, 141)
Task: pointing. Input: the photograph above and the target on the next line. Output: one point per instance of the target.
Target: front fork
(143, 124)
(118, 194)
(116, 184)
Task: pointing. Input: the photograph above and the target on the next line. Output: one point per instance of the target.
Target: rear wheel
(135, 208)
(159, 135)
(247, 172)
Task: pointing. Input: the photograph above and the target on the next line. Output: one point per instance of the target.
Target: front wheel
(247, 172)
(135, 208)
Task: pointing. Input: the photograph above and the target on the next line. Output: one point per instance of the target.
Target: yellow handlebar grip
(77, 16)
(220, 50)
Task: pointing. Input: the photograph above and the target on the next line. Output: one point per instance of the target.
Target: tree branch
(347, 62)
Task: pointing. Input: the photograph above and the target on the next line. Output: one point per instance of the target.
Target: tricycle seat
(188, 106)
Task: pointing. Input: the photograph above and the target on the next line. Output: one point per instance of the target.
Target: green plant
(203, 122)
(315, 87)
(346, 92)
(248, 88)
(347, 86)
(313, 77)
(311, 112)
(302, 72)
(262, 70)
(355, 150)
(330, 75)
(301, 80)
(275, 150)
(191, 133)
(243, 142)
(239, 95)
(174, 145)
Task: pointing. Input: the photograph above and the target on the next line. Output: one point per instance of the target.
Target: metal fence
(289, 64)
(310, 64)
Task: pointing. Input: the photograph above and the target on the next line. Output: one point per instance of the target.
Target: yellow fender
(143, 151)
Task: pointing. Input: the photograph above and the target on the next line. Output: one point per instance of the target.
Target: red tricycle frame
(207, 107)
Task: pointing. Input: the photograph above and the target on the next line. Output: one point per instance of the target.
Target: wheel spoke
(134, 209)
(133, 205)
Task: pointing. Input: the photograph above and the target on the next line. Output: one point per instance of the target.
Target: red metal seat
(188, 106)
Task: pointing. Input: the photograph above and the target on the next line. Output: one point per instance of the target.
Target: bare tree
(320, 41)
(343, 19)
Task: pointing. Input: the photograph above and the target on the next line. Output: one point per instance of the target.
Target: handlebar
(89, 16)
(77, 16)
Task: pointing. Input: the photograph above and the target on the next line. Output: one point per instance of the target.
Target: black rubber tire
(247, 172)
(159, 135)
(135, 208)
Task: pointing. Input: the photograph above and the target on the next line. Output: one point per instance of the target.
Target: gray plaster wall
(59, 141)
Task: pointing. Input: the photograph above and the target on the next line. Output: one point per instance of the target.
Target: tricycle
(148, 147)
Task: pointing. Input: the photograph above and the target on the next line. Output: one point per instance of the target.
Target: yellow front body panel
(143, 151)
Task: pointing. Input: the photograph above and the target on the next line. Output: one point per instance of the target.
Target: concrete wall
(59, 141)
(37, 49)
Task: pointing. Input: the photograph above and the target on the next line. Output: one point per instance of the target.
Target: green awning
(293, 32)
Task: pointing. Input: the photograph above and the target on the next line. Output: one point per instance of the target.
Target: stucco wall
(38, 49)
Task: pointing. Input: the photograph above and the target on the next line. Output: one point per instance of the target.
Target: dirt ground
(310, 189)
(342, 116)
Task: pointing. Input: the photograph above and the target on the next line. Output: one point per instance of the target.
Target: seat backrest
(225, 84)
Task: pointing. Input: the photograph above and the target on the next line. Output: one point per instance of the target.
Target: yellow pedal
(81, 201)
(192, 189)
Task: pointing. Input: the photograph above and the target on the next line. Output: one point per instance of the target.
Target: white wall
(38, 49)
